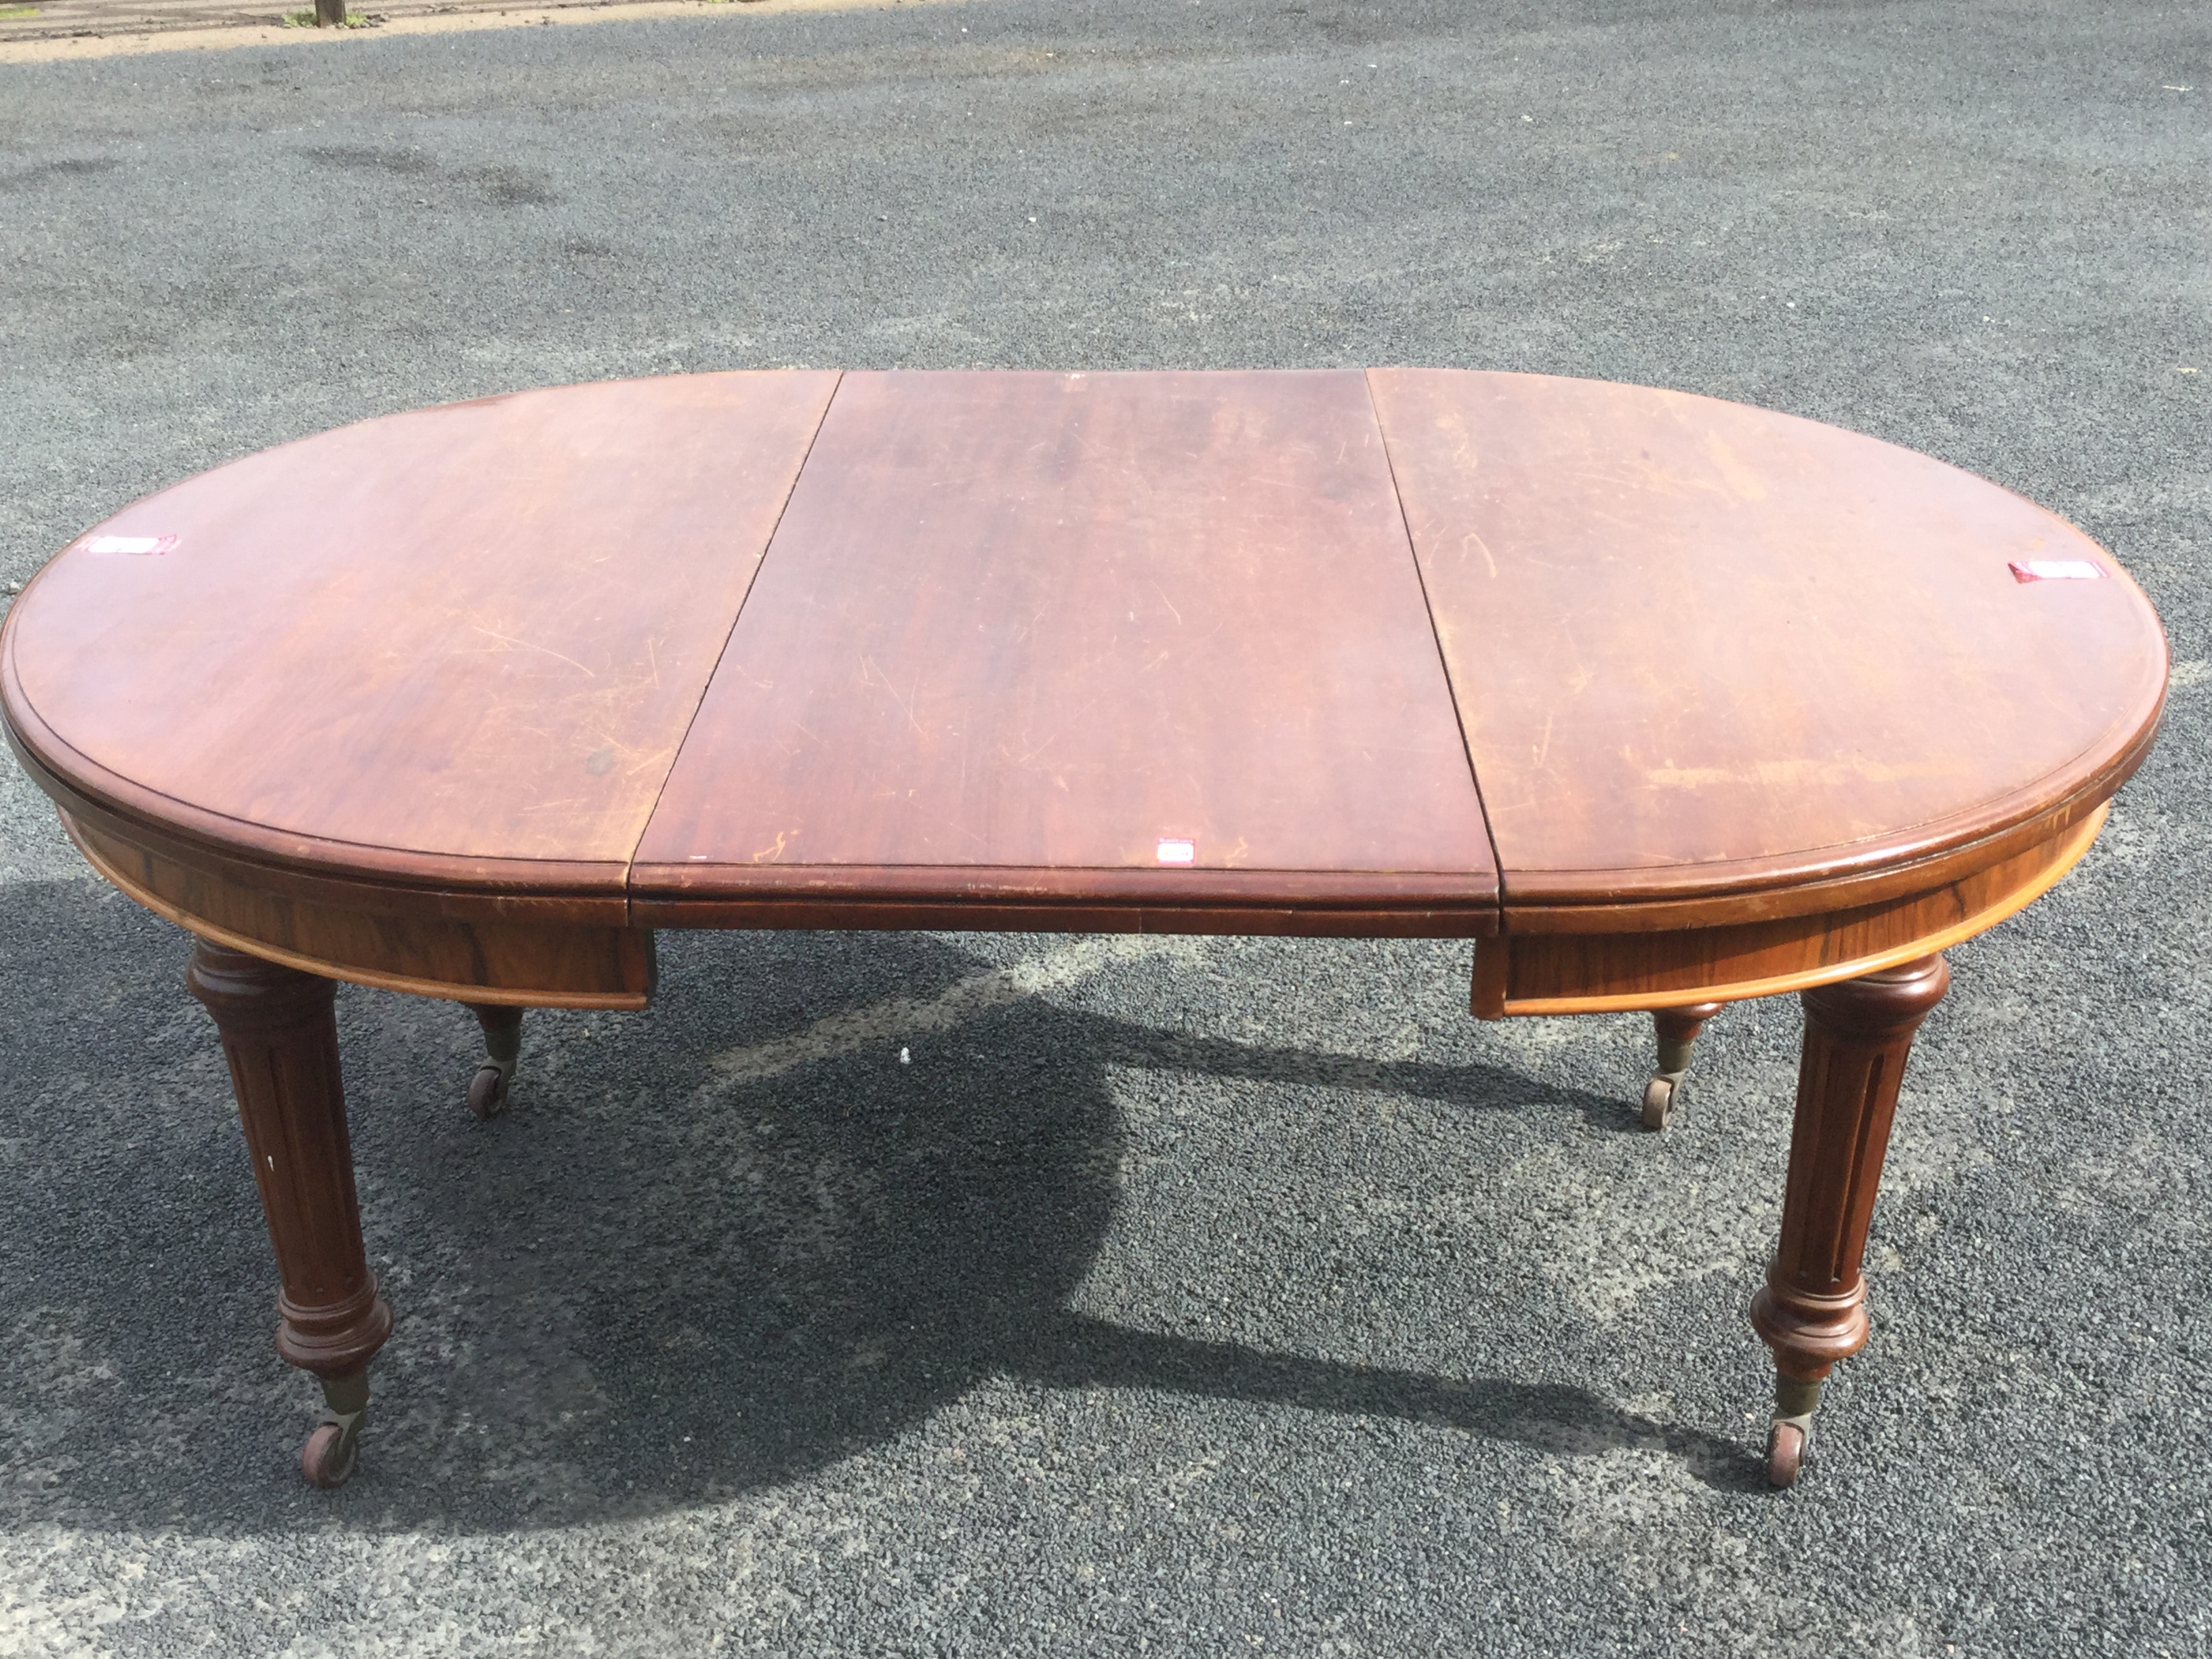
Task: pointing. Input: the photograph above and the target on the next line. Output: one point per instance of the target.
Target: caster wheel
(327, 1459)
(1660, 1096)
(1785, 1454)
(488, 1091)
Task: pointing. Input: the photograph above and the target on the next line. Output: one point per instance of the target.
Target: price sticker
(2057, 570)
(153, 546)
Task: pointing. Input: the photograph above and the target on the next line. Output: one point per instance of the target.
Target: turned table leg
(1677, 1029)
(1812, 1309)
(280, 1039)
(502, 1032)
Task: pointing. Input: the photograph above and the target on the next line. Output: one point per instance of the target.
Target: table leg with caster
(502, 1031)
(1677, 1029)
(280, 1036)
(1812, 1309)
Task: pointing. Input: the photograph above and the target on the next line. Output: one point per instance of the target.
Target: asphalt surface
(1184, 1297)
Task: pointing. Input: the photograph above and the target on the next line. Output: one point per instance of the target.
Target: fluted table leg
(280, 1036)
(1812, 1309)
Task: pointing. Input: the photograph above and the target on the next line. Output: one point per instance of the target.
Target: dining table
(1662, 701)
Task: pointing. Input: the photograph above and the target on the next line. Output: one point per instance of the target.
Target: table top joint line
(1459, 719)
(768, 548)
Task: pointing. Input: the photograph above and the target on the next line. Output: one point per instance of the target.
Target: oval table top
(1441, 650)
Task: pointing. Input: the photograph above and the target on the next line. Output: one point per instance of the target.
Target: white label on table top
(2057, 570)
(153, 545)
(1173, 850)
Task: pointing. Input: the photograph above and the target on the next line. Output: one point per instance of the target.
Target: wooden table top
(1401, 647)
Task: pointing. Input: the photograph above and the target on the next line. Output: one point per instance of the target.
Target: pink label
(156, 545)
(1177, 852)
(2057, 570)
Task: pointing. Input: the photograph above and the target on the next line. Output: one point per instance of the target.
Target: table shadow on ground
(649, 1288)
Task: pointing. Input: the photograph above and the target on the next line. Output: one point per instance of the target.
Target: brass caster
(488, 1088)
(502, 1032)
(1787, 1441)
(328, 1458)
(1677, 1029)
(1661, 1095)
(334, 1444)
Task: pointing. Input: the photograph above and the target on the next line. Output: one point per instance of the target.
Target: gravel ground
(1181, 1296)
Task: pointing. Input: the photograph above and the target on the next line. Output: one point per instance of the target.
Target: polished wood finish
(1812, 1311)
(529, 961)
(1678, 1029)
(1022, 638)
(510, 897)
(1684, 1025)
(1850, 890)
(280, 1039)
(502, 1028)
(1018, 632)
(457, 648)
(992, 910)
(1706, 652)
(1592, 973)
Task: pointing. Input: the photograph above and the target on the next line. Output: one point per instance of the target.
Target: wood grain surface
(1701, 648)
(427, 646)
(1523, 973)
(533, 963)
(1032, 635)
(1191, 652)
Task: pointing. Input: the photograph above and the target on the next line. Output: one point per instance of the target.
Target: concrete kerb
(226, 37)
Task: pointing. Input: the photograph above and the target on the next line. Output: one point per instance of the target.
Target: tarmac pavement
(1187, 1296)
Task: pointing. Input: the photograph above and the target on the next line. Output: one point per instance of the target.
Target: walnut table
(1663, 702)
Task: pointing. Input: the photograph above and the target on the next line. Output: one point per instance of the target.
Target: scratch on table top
(1481, 547)
(532, 644)
(1743, 480)
(872, 675)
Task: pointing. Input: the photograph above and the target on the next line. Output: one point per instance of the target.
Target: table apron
(1549, 973)
(1064, 916)
(534, 963)
(530, 960)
